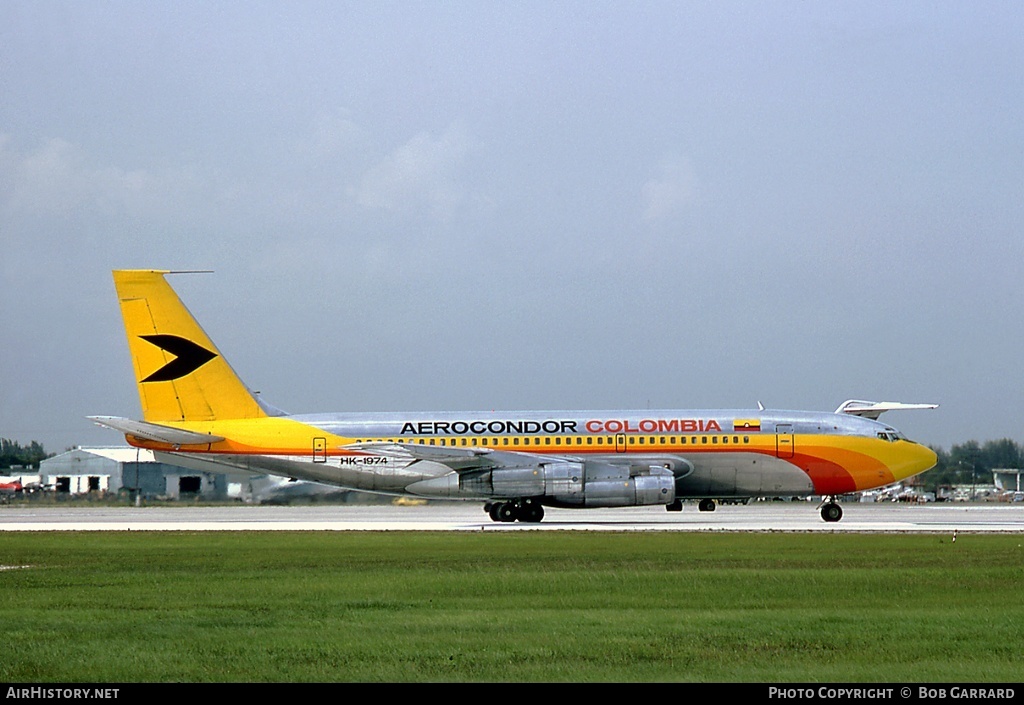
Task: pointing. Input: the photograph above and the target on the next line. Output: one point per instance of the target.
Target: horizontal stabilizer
(155, 432)
(874, 409)
(416, 450)
(459, 459)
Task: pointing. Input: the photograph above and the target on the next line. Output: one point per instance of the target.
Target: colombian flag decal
(746, 425)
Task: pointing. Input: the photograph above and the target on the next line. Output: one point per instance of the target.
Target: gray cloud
(419, 175)
(671, 190)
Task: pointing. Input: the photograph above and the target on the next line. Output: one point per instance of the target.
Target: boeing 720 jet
(198, 414)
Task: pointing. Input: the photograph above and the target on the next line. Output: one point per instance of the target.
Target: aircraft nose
(928, 458)
(918, 458)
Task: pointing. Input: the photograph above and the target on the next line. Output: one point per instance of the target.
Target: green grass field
(194, 607)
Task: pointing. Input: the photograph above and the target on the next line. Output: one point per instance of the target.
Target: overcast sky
(521, 205)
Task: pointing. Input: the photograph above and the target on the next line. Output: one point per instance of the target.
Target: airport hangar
(136, 472)
(122, 469)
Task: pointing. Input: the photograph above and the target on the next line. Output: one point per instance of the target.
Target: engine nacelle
(542, 480)
(558, 483)
(631, 491)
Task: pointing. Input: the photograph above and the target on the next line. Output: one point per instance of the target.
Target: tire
(831, 512)
(506, 511)
(531, 513)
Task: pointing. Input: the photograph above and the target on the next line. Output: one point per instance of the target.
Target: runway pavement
(459, 516)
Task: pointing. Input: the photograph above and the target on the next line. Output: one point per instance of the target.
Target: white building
(133, 470)
(1008, 481)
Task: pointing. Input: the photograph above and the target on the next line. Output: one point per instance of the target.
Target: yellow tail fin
(180, 373)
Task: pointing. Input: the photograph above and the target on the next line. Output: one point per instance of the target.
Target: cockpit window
(890, 435)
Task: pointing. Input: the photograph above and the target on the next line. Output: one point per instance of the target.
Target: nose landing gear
(830, 510)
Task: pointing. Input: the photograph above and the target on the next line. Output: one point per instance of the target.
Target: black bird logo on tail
(189, 357)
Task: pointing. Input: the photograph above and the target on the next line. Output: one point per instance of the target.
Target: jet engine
(560, 483)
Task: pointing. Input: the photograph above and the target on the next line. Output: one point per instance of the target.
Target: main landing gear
(525, 510)
(705, 505)
(830, 510)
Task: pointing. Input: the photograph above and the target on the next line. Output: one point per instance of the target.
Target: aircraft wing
(155, 432)
(874, 409)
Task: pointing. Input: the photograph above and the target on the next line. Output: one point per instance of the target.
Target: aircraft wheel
(706, 505)
(506, 511)
(531, 512)
(831, 512)
(492, 510)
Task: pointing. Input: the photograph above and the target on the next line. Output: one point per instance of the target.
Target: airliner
(197, 413)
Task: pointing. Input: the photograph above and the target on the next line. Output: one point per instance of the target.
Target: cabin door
(319, 450)
(784, 440)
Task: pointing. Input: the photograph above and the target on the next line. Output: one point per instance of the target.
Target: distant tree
(972, 462)
(13, 454)
(967, 461)
(1001, 454)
